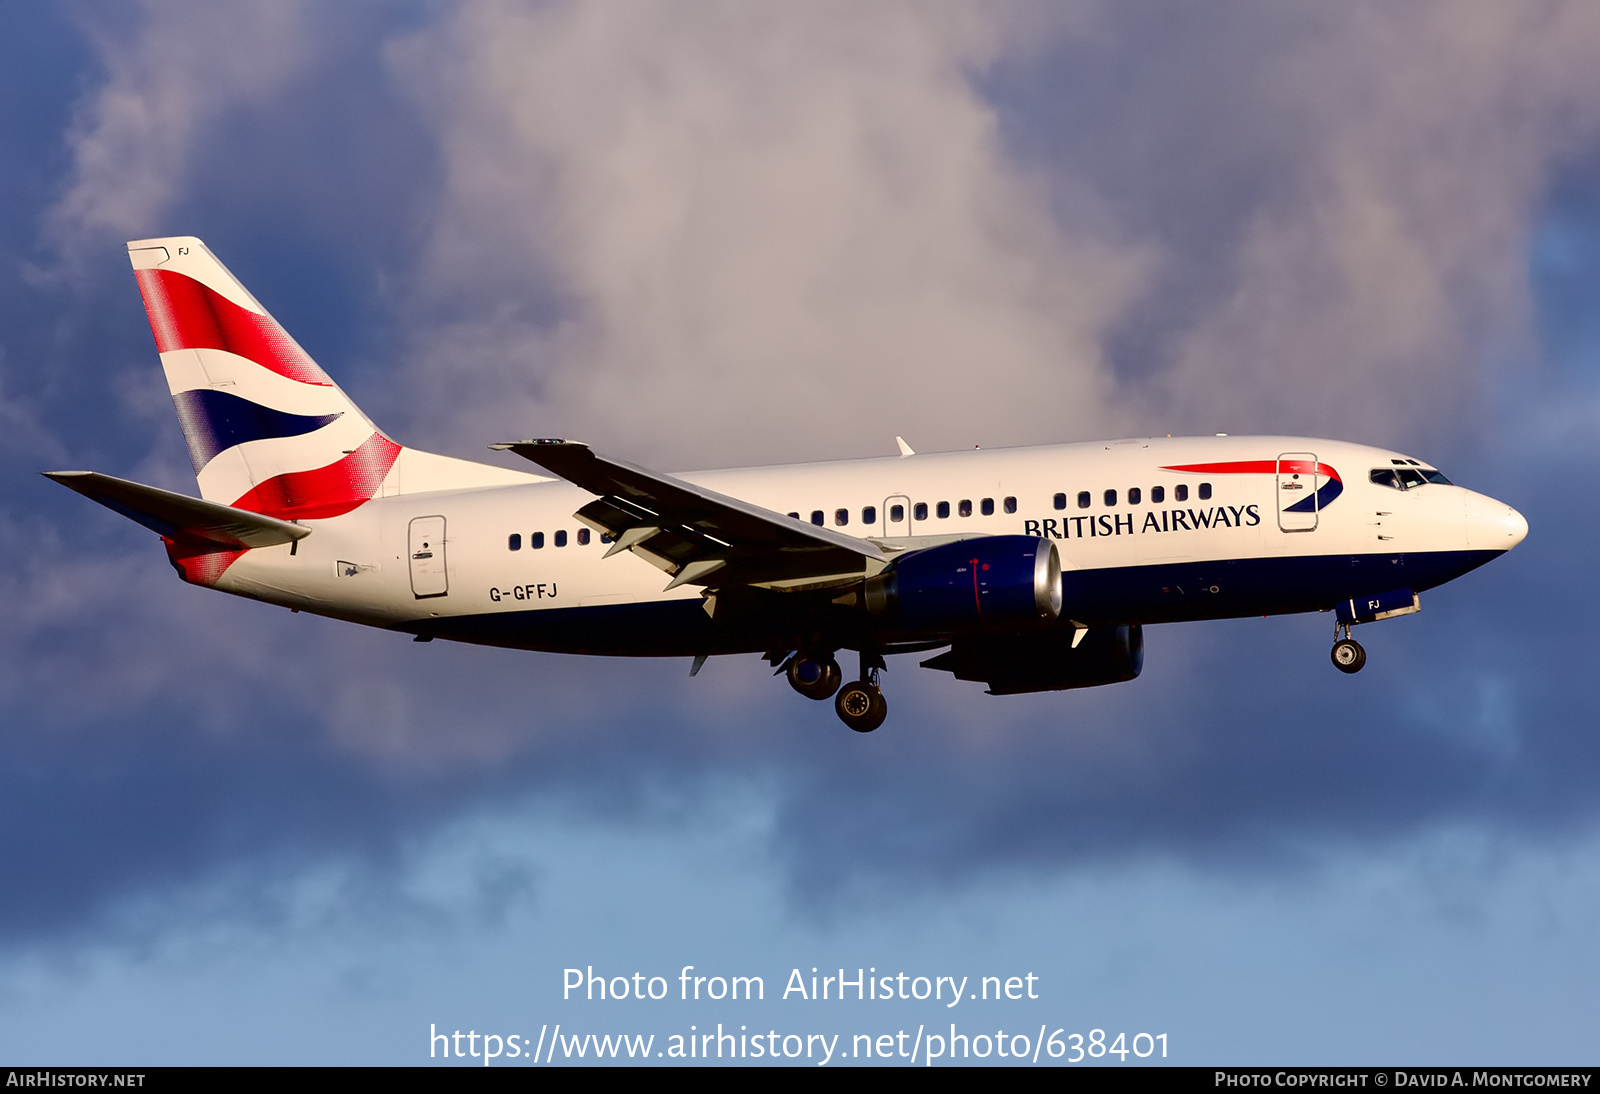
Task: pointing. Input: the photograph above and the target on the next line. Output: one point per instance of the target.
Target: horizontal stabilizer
(178, 515)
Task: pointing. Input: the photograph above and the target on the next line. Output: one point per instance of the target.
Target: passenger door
(1297, 484)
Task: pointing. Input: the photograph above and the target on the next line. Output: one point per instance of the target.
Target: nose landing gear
(1348, 656)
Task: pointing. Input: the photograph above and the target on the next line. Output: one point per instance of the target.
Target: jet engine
(984, 582)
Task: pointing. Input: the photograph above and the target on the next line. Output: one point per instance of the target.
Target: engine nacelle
(987, 581)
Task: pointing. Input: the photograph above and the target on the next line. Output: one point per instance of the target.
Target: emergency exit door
(428, 576)
(897, 516)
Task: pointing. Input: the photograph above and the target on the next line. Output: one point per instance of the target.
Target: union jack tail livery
(268, 431)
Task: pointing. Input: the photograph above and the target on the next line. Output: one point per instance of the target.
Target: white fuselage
(1231, 546)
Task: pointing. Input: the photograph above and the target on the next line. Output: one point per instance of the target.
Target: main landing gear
(1348, 656)
(860, 703)
(814, 677)
(861, 706)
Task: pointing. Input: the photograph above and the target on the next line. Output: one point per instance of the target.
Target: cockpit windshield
(1407, 475)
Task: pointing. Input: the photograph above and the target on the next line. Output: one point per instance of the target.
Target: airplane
(1031, 569)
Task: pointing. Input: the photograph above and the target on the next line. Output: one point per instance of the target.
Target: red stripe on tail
(325, 491)
(200, 561)
(184, 314)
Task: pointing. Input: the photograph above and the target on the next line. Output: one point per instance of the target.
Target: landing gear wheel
(1348, 656)
(861, 706)
(814, 677)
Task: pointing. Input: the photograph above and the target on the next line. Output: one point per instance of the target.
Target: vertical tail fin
(268, 431)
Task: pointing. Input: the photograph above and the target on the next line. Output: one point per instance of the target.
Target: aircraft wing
(699, 536)
(178, 515)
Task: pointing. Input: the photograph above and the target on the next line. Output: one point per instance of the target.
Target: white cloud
(1377, 282)
(763, 231)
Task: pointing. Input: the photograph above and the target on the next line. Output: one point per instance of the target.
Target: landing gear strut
(1348, 656)
(860, 703)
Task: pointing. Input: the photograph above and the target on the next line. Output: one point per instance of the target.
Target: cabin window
(841, 517)
(897, 513)
(943, 510)
(536, 540)
(561, 538)
(1158, 494)
(919, 511)
(964, 507)
(816, 517)
(869, 514)
(1059, 501)
(1010, 505)
(794, 516)
(514, 542)
(583, 537)
(1205, 491)
(1111, 498)
(1134, 496)
(1083, 499)
(987, 507)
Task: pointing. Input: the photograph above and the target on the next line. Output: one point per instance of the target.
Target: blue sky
(702, 236)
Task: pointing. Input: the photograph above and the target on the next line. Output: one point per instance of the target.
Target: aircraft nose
(1515, 526)
(1494, 524)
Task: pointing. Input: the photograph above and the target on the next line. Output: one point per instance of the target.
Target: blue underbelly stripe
(1165, 593)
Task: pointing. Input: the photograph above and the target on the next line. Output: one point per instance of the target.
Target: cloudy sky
(702, 235)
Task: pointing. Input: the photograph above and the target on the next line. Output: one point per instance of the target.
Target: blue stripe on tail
(214, 421)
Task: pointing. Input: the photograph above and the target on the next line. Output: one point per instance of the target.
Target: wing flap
(682, 528)
(178, 516)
